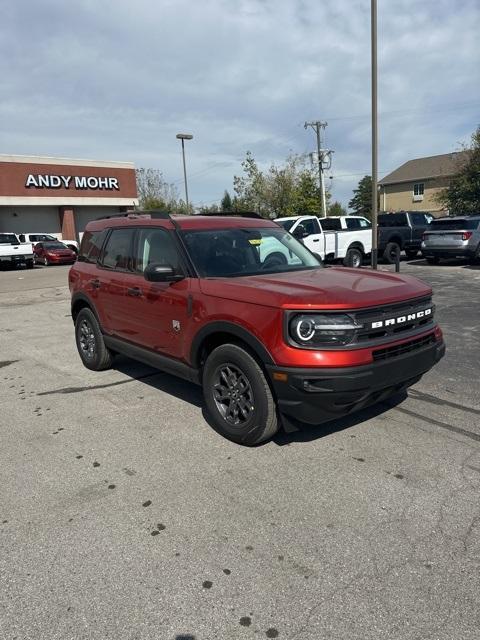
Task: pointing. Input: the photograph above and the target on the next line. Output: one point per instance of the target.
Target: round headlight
(305, 329)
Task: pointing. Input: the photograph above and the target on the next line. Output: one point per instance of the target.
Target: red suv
(241, 307)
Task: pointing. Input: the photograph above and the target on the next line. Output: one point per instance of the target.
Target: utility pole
(374, 136)
(324, 161)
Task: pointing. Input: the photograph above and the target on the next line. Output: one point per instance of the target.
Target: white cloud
(118, 79)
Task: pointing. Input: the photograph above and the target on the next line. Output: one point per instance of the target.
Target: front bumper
(317, 395)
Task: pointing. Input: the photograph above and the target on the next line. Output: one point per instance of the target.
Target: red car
(241, 307)
(53, 252)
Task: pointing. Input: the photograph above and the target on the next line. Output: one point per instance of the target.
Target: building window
(418, 191)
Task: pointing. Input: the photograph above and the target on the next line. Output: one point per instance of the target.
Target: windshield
(40, 237)
(245, 252)
(453, 225)
(8, 238)
(286, 224)
(54, 245)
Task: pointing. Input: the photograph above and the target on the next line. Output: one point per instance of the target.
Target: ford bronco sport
(241, 307)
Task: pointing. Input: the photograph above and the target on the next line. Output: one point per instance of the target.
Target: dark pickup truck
(401, 231)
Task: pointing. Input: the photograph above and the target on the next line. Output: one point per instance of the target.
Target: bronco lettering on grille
(389, 322)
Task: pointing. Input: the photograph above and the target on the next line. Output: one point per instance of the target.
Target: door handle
(134, 291)
(316, 240)
(95, 283)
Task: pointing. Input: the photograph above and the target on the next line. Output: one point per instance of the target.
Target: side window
(156, 246)
(117, 251)
(311, 226)
(91, 246)
(331, 224)
(365, 224)
(418, 219)
(352, 223)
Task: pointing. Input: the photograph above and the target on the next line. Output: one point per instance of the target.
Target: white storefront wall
(38, 219)
(30, 220)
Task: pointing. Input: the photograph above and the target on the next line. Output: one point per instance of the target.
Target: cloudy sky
(117, 79)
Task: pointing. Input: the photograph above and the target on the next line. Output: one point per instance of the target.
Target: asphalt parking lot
(124, 516)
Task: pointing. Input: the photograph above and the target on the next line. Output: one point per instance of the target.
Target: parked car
(401, 231)
(53, 252)
(13, 253)
(47, 237)
(349, 246)
(270, 343)
(336, 223)
(454, 237)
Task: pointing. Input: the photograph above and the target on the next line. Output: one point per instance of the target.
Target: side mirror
(161, 273)
(300, 232)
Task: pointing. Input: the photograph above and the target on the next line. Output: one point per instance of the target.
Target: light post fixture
(183, 137)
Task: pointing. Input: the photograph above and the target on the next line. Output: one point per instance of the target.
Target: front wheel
(353, 258)
(90, 343)
(45, 262)
(238, 396)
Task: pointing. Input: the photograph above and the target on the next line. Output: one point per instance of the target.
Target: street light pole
(374, 136)
(183, 137)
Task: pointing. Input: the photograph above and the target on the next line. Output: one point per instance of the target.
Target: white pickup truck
(47, 237)
(15, 253)
(350, 246)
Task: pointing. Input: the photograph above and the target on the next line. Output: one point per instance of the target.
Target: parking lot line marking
(444, 425)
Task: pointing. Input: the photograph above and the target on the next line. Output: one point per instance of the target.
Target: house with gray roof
(415, 185)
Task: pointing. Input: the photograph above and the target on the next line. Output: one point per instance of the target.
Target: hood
(329, 288)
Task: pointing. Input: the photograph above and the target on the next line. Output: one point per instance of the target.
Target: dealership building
(60, 196)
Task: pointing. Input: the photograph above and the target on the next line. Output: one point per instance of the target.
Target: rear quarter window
(91, 246)
(454, 225)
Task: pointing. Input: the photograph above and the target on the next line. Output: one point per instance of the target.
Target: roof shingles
(447, 164)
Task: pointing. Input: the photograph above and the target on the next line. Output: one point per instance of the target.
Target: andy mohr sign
(42, 181)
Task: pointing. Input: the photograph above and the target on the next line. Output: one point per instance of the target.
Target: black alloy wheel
(90, 343)
(238, 396)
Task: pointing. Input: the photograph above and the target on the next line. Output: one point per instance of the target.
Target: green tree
(462, 196)
(211, 208)
(361, 203)
(290, 189)
(337, 209)
(226, 203)
(153, 191)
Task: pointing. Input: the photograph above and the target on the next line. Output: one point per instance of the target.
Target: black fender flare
(235, 330)
(82, 297)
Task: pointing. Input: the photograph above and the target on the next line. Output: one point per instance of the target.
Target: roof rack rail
(238, 214)
(133, 213)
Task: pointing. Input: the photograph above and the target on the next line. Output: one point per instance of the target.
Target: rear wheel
(90, 342)
(391, 251)
(353, 258)
(238, 396)
(411, 253)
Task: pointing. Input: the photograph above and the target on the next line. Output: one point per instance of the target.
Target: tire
(411, 253)
(432, 260)
(274, 259)
(30, 264)
(353, 258)
(90, 343)
(46, 263)
(228, 370)
(390, 252)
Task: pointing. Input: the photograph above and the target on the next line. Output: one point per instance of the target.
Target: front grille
(406, 347)
(369, 317)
